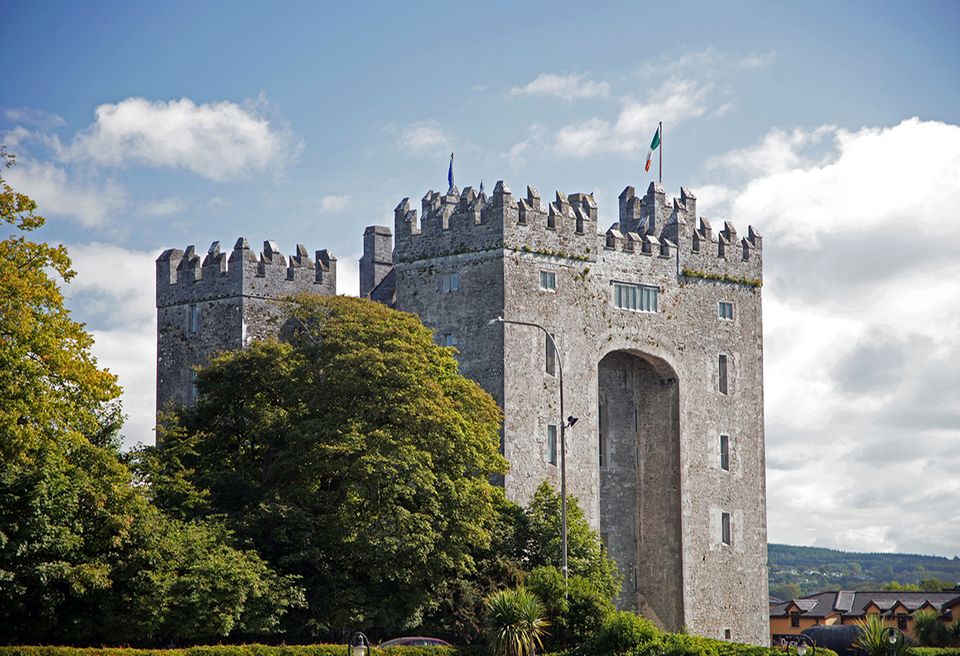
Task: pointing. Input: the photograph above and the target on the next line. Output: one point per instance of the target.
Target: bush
(622, 632)
(575, 617)
(933, 651)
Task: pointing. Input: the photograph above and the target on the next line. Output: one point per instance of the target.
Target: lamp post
(805, 645)
(358, 645)
(894, 638)
(565, 423)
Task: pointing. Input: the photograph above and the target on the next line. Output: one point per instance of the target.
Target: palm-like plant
(515, 623)
(872, 638)
(928, 628)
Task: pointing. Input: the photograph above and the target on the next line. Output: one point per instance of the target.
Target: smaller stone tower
(223, 301)
(377, 259)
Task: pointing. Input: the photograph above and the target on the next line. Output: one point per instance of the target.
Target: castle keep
(658, 321)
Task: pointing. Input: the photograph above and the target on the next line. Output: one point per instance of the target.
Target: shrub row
(932, 651)
(237, 650)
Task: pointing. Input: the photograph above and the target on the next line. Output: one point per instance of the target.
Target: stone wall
(234, 299)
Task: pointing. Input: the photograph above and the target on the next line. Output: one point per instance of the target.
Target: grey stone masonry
(222, 301)
(377, 259)
(658, 321)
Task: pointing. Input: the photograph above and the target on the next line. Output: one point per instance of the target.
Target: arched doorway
(640, 512)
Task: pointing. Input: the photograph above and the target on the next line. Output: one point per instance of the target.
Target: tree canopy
(351, 454)
(84, 557)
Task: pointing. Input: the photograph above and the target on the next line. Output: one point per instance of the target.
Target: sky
(831, 127)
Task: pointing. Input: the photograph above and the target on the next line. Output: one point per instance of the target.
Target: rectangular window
(640, 298)
(794, 619)
(725, 452)
(194, 319)
(722, 374)
(727, 635)
(449, 282)
(902, 621)
(552, 444)
(725, 528)
(448, 340)
(193, 387)
(551, 355)
(548, 281)
(725, 310)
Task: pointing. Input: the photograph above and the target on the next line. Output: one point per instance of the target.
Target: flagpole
(661, 152)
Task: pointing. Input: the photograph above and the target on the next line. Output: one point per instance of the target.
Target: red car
(416, 641)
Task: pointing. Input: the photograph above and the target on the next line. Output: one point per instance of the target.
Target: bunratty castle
(658, 322)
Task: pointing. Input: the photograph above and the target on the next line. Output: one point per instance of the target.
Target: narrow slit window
(601, 427)
(551, 356)
(552, 444)
(194, 392)
(194, 319)
(725, 452)
(448, 339)
(722, 374)
(725, 528)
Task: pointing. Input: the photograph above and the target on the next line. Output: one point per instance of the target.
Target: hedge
(665, 644)
(933, 651)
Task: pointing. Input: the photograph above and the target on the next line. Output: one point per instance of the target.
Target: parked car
(416, 641)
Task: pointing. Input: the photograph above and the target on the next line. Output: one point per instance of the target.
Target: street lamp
(805, 644)
(358, 645)
(894, 638)
(565, 423)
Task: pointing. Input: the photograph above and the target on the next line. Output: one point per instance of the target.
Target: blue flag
(450, 172)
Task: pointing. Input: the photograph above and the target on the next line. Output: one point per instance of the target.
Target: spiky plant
(928, 628)
(872, 638)
(514, 624)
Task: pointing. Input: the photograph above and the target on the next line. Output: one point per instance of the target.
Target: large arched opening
(640, 510)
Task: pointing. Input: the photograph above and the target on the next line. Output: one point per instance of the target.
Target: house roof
(855, 602)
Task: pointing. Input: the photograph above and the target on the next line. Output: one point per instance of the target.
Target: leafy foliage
(872, 638)
(576, 609)
(622, 632)
(515, 623)
(352, 454)
(585, 556)
(83, 556)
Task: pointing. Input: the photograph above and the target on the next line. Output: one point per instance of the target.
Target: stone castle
(658, 324)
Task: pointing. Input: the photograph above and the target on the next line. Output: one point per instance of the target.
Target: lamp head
(571, 420)
(802, 649)
(495, 320)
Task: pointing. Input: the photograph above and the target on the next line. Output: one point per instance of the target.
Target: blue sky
(830, 126)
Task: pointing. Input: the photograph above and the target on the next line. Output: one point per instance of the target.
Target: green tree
(585, 552)
(352, 454)
(83, 557)
(576, 609)
(930, 631)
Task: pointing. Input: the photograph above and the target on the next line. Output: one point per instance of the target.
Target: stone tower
(658, 321)
(223, 301)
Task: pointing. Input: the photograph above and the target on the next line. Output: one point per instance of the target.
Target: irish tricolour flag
(653, 146)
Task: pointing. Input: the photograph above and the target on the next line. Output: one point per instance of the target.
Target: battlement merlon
(470, 221)
(182, 276)
(458, 222)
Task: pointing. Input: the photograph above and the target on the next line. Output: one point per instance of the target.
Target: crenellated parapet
(652, 226)
(183, 276)
(471, 221)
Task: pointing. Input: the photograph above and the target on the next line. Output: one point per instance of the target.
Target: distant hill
(797, 571)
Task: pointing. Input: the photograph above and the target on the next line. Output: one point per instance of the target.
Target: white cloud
(163, 207)
(334, 203)
(567, 87)
(862, 409)
(113, 290)
(61, 193)
(32, 117)
(676, 101)
(219, 140)
(348, 274)
(707, 62)
(423, 136)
